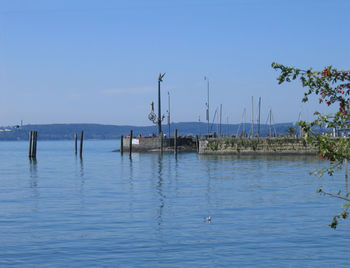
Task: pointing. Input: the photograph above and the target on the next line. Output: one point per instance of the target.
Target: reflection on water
(33, 168)
(160, 188)
(79, 164)
(81, 161)
(131, 187)
(33, 182)
(208, 187)
(148, 211)
(79, 173)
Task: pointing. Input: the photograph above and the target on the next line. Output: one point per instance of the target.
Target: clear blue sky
(97, 61)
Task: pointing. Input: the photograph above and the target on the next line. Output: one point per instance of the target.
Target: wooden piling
(161, 141)
(81, 143)
(121, 144)
(175, 142)
(130, 144)
(197, 143)
(76, 143)
(35, 139)
(30, 143)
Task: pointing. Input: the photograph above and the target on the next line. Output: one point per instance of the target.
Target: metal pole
(207, 114)
(252, 117)
(259, 117)
(159, 108)
(169, 113)
(228, 127)
(220, 132)
(244, 122)
(160, 79)
(199, 125)
(270, 122)
(208, 107)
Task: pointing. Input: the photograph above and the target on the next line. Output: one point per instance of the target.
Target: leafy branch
(332, 88)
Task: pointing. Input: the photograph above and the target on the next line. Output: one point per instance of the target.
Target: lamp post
(207, 104)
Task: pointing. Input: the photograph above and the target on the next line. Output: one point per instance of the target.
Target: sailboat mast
(259, 117)
(252, 116)
(220, 132)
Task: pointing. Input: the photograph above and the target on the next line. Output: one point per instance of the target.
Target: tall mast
(199, 125)
(160, 79)
(228, 127)
(259, 117)
(252, 116)
(244, 120)
(169, 113)
(270, 115)
(220, 132)
(207, 104)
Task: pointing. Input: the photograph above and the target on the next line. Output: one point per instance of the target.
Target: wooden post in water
(81, 143)
(76, 143)
(130, 144)
(197, 143)
(175, 142)
(121, 144)
(30, 143)
(35, 139)
(161, 141)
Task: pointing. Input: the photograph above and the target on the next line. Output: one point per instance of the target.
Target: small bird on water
(208, 219)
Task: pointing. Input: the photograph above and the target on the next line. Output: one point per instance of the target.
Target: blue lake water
(106, 211)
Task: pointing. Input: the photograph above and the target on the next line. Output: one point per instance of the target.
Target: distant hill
(97, 131)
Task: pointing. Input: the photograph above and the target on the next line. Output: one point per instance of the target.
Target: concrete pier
(280, 145)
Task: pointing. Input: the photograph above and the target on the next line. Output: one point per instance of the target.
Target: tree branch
(336, 196)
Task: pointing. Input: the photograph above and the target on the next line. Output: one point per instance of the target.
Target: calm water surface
(105, 210)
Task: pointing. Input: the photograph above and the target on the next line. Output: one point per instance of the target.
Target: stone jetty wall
(280, 145)
(145, 144)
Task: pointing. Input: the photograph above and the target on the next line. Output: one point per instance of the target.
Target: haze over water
(105, 210)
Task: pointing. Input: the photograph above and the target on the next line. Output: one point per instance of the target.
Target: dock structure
(256, 146)
(158, 144)
(221, 145)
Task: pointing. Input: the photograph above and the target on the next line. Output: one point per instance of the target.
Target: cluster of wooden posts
(81, 143)
(33, 138)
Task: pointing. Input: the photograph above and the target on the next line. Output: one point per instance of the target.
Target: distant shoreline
(108, 132)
